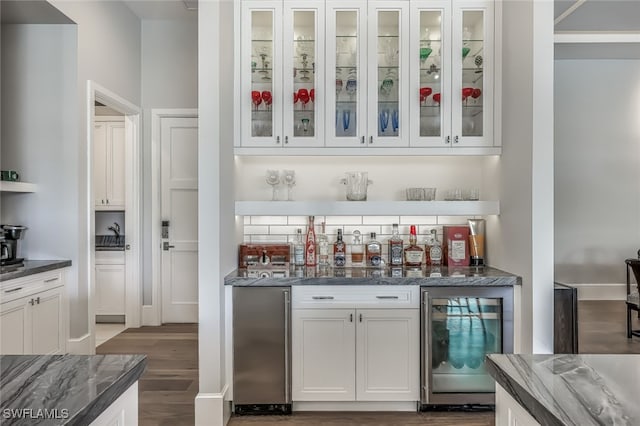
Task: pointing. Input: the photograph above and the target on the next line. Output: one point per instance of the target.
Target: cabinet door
(15, 324)
(261, 92)
(388, 66)
(47, 322)
(100, 164)
(323, 355)
(472, 83)
(430, 62)
(387, 348)
(110, 289)
(116, 167)
(346, 94)
(304, 73)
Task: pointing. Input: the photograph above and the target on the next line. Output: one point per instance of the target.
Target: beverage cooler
(459, 326)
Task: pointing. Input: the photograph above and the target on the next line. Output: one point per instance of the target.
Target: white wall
(108, 52)
(520, 240)
(169, 80)
(597, 169)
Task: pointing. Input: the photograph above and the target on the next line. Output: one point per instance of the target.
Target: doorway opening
(114, 188)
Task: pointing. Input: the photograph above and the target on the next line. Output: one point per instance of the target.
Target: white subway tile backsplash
(452, 220)
(246, 220)
(364, 229)
(418, 220)
(286, 229)
(269, 239)
(268, 220)
(343, 220)
(380, 220)
(298, 220)
(256, 230)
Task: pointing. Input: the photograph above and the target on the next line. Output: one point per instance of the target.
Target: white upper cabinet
(108, 165)
(346, 77)
(452, 77)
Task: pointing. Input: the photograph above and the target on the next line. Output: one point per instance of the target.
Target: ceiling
(31, 12)
(599, 15)
(163, 9)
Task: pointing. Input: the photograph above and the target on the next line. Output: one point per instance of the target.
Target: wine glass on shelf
(476, 94)
(267, 98)
(424, 93)
(273, 179)
(303, 96)
(256, 97)
(263, 52)
(289, 179)
(352, 84)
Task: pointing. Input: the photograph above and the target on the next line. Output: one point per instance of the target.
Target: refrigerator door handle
(425, 359)
(287, 376)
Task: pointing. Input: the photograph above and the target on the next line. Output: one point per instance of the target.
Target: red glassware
(267, 98)
(295, 97)
(303, 96)
(476, 93)
(256, 97)
(424, 93)
(467, 91)
(437, 97)
(312, 94)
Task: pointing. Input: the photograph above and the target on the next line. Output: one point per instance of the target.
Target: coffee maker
(10, 236)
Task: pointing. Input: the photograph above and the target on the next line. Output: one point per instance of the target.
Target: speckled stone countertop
(83, 385)
(429, 276)
(576, 390)
(33, 267)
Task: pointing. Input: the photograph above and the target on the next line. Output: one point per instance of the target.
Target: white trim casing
(96, 92)
(210, 408)
(153, 312)
(596, 37)
(81, 345)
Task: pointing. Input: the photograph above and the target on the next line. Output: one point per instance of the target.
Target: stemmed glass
(267, 98)
(352, 84)
(263, 53)
(289, 178)
(273, 179)
(303, 96)
(256, 97)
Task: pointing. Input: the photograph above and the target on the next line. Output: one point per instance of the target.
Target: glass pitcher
(356, 183)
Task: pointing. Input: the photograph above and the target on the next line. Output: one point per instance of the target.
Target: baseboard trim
(212, 409)
(355, 406)
(80, 345)
(149, 316)
(598, 291)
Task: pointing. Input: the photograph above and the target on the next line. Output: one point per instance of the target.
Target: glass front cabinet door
(452, 56)
(282, 73)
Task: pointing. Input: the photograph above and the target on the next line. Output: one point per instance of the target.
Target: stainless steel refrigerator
(261, 349)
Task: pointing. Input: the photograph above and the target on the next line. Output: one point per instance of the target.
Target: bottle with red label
(310, 245)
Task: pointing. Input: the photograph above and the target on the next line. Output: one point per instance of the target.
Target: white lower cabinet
(33, 316)
(341, 352)
(110, 292)
(509, 412)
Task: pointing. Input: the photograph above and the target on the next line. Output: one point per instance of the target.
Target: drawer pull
(13, 290)
(322, 297)
(51, 280)
(386, 297)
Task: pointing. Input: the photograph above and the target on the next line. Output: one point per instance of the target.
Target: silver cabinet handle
(360, 317)
(425, 358)
(370, 139)
(13, 290)
(107, 201)
(386, 297)
(166, 246)
(448, 140)
(455, 140)
(286, 345)
(31, 302)
(350, 317)
(286, 139)
(38, 300)
(362, 140)
(277, 139)
(102, 201)
(128, 247)
(322, 297)
(51, 280)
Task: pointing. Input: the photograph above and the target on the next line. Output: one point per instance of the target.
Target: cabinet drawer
(109, 257)
(25, 286)
(341, 297)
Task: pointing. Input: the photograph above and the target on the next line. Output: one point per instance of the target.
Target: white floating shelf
(7, 186)
(367, 208)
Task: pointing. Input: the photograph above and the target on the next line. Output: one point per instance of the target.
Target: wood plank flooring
(170, 384)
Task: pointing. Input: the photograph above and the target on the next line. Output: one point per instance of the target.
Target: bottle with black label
(374, 251)
(413, 253)
(339, 251)
(395, 247)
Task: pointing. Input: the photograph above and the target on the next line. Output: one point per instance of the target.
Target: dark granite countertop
(572, 389)
(429, 276)
(34, 267)
(83, 385)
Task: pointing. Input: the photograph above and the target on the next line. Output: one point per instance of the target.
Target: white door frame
(133, 235)
(152, 314)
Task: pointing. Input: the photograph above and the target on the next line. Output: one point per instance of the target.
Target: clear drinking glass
(289, 179)
(273, 179)
(388, 67)
(346, 105)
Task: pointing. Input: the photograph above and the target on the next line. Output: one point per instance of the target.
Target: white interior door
(179, 194)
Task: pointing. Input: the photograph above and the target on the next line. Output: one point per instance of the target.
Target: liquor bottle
(357, 250)
(298, 249)
(310, 245)
(374, 251)
(339, 251)
(323, 248)
(413, 253)
(395, 247)
(435, 250)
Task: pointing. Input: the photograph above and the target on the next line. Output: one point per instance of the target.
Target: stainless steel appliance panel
(261, 345)
(459, 325)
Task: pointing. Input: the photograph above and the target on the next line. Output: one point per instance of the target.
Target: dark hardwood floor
(170, 383)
